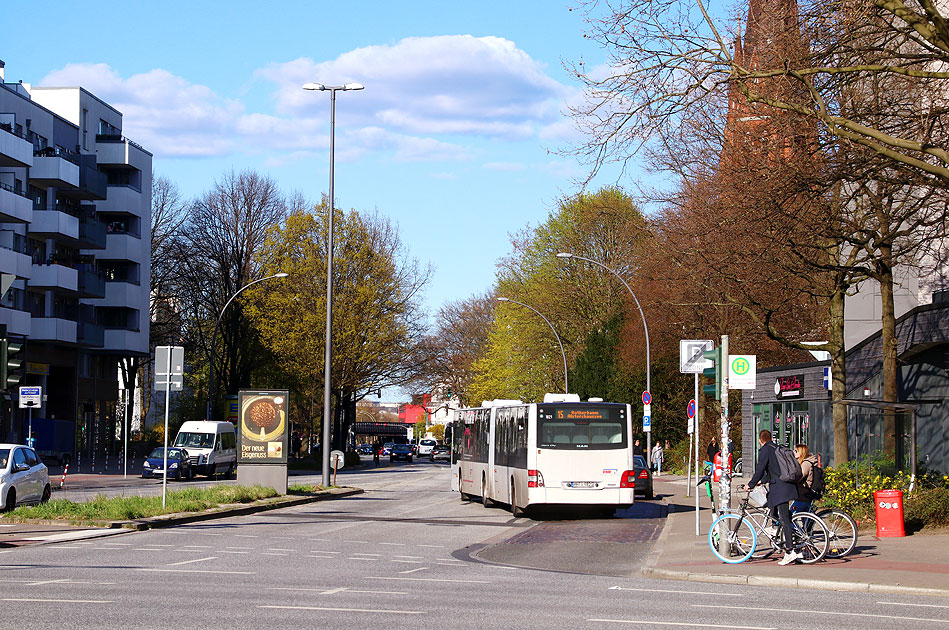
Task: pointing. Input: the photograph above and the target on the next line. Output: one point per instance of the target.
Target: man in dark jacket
(780, 493)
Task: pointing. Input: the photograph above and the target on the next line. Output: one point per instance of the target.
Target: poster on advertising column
(263, 426)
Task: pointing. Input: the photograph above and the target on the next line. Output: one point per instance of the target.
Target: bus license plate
(582, 484)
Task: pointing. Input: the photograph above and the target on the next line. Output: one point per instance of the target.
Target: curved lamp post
(214, 338)
(328, 353)
(645, 330)
(566, 388)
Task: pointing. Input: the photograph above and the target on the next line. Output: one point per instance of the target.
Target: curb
(649, 570)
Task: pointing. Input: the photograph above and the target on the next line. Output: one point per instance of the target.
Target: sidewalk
(915, 564)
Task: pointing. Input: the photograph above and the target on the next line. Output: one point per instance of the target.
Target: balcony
(124, 247)
(54, 278)
(14, 207)
(93, 183)
(122, 200)
(53, 329)
(54, 224)
(55, 168)
(115, 150)
(91, 233)
(15, 150)
(16, 321)
(124, 340)
(12, 261)
(124, 294)
(91, 284)
(90, 334)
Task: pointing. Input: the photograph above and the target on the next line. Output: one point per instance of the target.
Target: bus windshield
(586, 427)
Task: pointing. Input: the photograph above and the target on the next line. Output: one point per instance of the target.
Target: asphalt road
(403, 555)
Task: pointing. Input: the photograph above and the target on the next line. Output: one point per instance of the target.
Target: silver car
(23, 477)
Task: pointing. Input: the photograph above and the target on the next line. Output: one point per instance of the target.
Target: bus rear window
(585, 427)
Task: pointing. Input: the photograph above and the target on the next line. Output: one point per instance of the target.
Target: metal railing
(13, 190)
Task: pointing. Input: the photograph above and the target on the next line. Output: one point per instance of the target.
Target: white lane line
(408, 561)
(825, 612)
(321, 551)
(353, 610)
(136, 549)
(196, 546)
(57, 601)
(897, 603)
(689, 624)
(115, 544)
(238, 552)
(369, 559)
(12, 525)
(409, 579)
(175, 564)
(358, 542)
(319, 539)
(245, 536)
(198, 571)
(448, 564)
(333, 591)
(374, 555)
(414, 570)
(281, 537)
(270, 553)
(90, 533)
(68, 581)
(432, 546)
(157, 545)
(394, 544)
(245, 548)
(278, 549)
(409, 557)
(665, 590)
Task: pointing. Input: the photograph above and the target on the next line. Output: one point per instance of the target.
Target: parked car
(643, 477)
(440, 451)
(364, 449)
(400, 451)
(179, 464)
(23, 477)
(425, 446)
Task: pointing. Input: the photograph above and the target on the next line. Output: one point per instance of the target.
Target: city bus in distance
(560, 452)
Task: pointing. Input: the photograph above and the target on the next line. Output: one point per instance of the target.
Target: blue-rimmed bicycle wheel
(739, 539)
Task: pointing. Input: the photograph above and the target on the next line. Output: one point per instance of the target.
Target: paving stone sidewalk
(917, 563)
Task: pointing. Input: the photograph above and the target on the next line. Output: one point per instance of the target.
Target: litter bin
(889, 513)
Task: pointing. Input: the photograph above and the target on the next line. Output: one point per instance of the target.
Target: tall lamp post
(645, 330)
(214, 338)
(328, 355)
(566, 388)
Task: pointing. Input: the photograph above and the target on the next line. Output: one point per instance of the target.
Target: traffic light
(714, 372)
(9, 363)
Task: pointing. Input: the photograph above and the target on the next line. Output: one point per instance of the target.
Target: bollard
(62, 483)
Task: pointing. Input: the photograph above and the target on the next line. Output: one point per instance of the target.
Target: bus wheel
(485, 501)
(515, 511)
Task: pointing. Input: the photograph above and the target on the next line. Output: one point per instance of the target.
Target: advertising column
(262, 435)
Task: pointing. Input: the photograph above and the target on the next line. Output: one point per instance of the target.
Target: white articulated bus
(561, 451)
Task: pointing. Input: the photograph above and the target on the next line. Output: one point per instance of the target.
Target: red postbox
(888, 505)
(717, 465)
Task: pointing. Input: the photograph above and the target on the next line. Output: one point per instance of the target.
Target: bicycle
(748, 535)
(841, 531)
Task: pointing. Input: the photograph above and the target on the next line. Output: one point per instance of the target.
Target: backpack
(818, 485)
(789, 469)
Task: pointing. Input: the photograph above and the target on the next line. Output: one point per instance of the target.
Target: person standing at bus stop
(657, 457)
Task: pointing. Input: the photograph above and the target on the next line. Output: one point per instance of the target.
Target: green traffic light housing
(714, 372)
(9, 377)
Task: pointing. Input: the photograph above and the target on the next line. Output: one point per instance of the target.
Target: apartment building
(75, 204)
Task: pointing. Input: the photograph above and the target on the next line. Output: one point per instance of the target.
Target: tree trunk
(884, 276)
(838, 370)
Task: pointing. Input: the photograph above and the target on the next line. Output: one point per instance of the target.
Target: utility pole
(725, 481)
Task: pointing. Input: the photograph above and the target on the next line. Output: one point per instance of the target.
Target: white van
(211, 446)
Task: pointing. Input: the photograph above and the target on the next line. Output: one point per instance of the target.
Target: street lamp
(566, 388)
(214, 338)
(645, 329)
(328, 355)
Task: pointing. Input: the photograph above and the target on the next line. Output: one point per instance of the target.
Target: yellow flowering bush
(844, 492)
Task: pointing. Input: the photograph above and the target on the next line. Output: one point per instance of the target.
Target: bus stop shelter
(865, 421)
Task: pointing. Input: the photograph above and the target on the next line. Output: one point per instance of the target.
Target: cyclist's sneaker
(771, 530)
(790, 557)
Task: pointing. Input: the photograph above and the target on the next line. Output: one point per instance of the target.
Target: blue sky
(454, 137)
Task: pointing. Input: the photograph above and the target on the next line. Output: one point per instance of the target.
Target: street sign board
(31, 397)
(647, 398)
(742, 371)
(691, 360)
(169, 367)
(337, 459)
(647, 410)
(691, 408)
(647, 424)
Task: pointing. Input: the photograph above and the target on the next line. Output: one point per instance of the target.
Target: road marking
(57, 601)
(355, 610)
(196, 546)
(281, 537)
(377, 577)
(245, 536)
(825, 612)
(448, 564)
(68, 581)
(137, 549)
(226, 551)
(198, 571)
(319, 539)
(663, 590)
(374, 555)
(333, 591)
(408, 561)
(432, 546)
(369, 559)
(904, 604)
(238, 547)
(175, 564)
(409, 557)
(89, 533)
(321, 551)
(414, 570)
(118, 544)
(358, 542)
(278, 549)
(689, 624)
(270, 553)
(394, 544)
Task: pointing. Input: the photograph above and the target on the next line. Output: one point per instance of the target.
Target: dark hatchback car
(643, 476)
(179, 466)
(440, 451)
(401, 451)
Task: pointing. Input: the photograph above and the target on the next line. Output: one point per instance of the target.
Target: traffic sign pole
(696, 437)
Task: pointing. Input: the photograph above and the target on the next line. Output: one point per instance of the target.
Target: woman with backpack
(805, 494)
